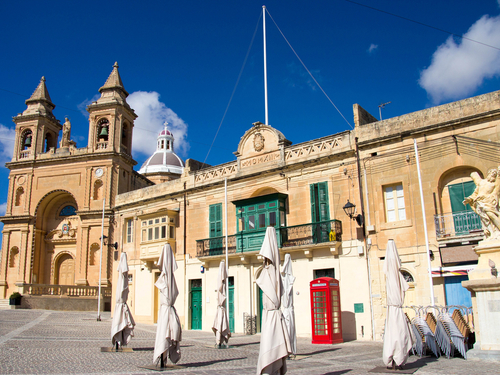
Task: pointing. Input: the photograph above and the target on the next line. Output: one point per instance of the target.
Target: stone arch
(47, 220)
(14, 257)
(263, 191)
(94, 253)
(64, 268)
(25, 135)
(102, 124)
(19, 196)
(98, 190)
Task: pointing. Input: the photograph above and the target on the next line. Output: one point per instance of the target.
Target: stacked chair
(424, 336)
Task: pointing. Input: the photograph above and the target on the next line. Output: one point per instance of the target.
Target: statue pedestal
(485, 290)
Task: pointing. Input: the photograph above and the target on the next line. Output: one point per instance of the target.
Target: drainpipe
(364, 238)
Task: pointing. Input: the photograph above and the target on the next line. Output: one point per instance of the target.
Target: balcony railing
(457, 224)
(297, 235)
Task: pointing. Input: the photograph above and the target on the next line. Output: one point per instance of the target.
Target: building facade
(58, 192)
(301, 190)
(53, 223)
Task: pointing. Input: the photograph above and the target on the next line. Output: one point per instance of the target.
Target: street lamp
(350, 210)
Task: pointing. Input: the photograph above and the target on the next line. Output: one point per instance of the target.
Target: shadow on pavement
(319, 351)
(337, 372)
(208, 363)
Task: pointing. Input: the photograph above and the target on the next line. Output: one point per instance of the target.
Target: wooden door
(66, 271)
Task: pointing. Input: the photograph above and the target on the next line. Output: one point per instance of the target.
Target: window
(261, 212)
(327, 272)
(394, 203)
(320, 210)
(130, 226)
(68, 211)
(408, 277)
(215, 219)
(153, 229)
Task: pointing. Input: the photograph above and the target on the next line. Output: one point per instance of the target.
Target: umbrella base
(297, 357)
(114, 350)
(385, 370)
(223, 346)
(165, 368)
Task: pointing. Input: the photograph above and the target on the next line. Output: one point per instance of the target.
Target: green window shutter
(320, 209)
(458, 192)
(215, 219)
(324, 208)
(312, 189)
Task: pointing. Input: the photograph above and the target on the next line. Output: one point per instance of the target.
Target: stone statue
(65, 142)
(484, 202)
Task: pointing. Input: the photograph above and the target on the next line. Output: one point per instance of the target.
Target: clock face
(99, 172)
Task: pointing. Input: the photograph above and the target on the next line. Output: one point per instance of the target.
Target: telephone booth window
(326, 313)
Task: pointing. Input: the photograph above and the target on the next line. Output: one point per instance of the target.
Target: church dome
(164, 160)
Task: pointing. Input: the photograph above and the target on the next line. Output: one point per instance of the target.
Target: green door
(231, 303)
(195, 304)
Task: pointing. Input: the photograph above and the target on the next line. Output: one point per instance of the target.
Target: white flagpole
(227, 261)
(100, 264)
(265, 63)
(425, 224)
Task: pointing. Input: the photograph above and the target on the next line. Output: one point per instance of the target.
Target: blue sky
(180, 61)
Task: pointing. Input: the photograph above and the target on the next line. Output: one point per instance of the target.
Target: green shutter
(313, 203)
(320, 209)
(458, 192)
(215, 219)
(324, 208)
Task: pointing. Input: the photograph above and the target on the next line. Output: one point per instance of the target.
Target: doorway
(195, 295)
(65, 274)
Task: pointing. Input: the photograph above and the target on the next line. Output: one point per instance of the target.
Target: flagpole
(425, 224)
(265, 62)
(227, 261)
(100, 264)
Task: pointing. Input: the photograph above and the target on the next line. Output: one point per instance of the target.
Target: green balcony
(291, 236)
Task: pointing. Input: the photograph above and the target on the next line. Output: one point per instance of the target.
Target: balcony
(457, 224)
(304, 235)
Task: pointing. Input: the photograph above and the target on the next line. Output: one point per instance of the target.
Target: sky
(199, 65)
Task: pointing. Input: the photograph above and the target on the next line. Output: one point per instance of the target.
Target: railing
(24, 154)
(313, 233)
(297, 235)
(65, 290)
(102, 145)
(457, 224)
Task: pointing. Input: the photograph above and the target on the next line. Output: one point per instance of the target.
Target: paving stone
(54, 342)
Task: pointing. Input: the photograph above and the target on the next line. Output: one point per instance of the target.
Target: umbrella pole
(162, 363)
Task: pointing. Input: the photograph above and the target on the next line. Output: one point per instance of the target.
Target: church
(335, 203)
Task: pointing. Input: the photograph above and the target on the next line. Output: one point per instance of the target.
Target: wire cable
(305, 67)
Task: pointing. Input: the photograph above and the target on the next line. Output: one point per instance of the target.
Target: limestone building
(52, 227)
(57, 193)
(302, 191)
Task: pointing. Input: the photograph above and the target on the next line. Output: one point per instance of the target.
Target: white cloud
(457, 70)
(3, 208)
(82, 107)
(7, 137)
(373, 47)
(152, 113)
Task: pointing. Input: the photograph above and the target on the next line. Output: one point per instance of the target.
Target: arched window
(19, 196)
(124, 135)
(14, 255)
(94, 254)
(27, 140)
(48, 142)
(68, 211)
(98, 190)
(408, 277)
(103, 130)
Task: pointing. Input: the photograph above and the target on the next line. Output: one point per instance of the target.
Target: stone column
(484, 286)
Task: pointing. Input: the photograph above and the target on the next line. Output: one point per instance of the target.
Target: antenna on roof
(380, 109)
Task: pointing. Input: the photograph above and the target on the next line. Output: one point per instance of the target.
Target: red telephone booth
(325, 311)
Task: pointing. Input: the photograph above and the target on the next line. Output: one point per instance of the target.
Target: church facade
(57, 194)
(404, 179)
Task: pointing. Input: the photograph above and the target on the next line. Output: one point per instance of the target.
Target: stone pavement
(55, 342)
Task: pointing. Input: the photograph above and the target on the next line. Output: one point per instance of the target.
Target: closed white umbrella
(221, 322)
(274, 340)
(168, 331)
(122, 327)
(287, 301)
(398, 340)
